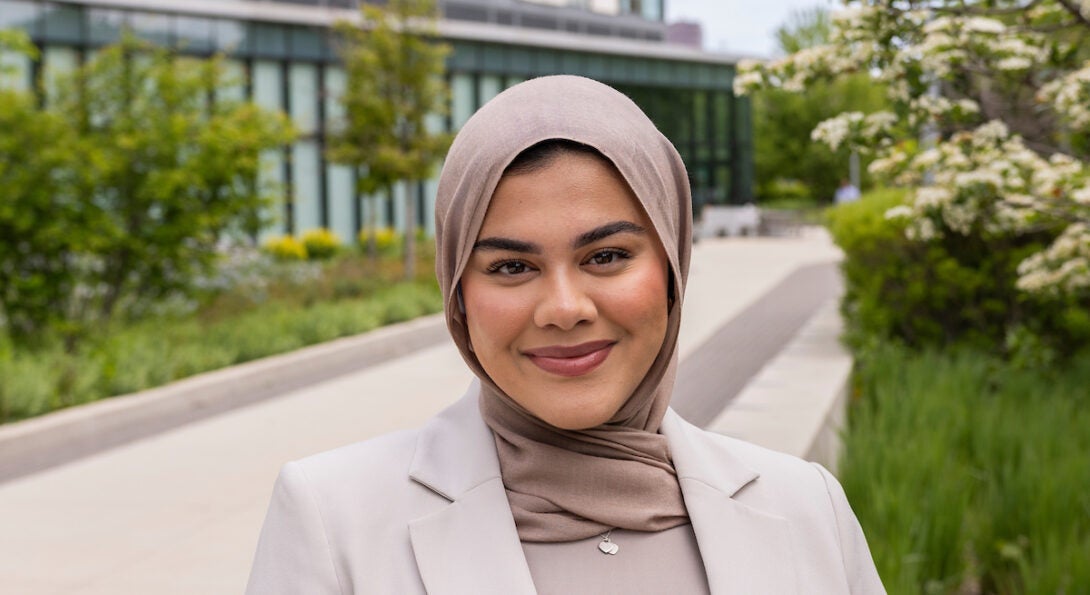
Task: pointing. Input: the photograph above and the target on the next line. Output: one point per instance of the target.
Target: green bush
(154, 352)
(970, 475)
(955, 289)
(321, 244)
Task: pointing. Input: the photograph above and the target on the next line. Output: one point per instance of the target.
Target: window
(306, 185)
(195, 34)
(61, 22)
(268, 85)
(304, 97)
(463, 99)
(152, 27)
(15, 14)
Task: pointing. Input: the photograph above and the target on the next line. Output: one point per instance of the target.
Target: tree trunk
(410, 231)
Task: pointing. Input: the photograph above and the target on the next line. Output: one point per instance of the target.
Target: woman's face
(566, 291)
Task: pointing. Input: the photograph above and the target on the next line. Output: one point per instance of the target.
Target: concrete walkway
(179, 512)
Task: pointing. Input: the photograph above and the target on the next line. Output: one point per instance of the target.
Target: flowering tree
(989, 118)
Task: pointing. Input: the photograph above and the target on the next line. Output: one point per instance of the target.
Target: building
(281, 53)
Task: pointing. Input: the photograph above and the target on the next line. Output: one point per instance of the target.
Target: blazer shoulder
(368, 469)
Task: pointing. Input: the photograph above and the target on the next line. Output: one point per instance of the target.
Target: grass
(970, 475)
(283, 308)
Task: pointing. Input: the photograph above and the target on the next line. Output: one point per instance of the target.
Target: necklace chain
(606, 546)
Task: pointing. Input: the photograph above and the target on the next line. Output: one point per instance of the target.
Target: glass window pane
(334, 88)
(61, 22)
(462, 97)
(306, 42)
(232, 81)
(270, 180)
(231, 37)
(104, 26)
(18, 14)
(339, 197)
(490, 86)
(269, 40)
(431, 190)
(268, 85)
(305, 164)
(304, 97)
(152, 27)
(15, 71)
(57, 62)
(194, 34)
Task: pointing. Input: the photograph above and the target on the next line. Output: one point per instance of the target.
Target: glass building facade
(285, 61)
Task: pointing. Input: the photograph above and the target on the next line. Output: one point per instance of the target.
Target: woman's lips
(574, 360)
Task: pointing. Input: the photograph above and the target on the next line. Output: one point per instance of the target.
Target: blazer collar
(745, 550)
(474, 540)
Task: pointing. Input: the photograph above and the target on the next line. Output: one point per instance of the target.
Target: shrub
(286, 248)
(387, 239)
(951, 289)
(321, 244)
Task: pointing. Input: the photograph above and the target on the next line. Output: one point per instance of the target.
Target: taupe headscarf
(566, 485)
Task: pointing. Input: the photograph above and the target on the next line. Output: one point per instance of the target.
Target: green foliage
(321, 244)
(301, 306)
(117, 194)
(395, 66)
(782, 123)
(970, 475)
(45, 226)
(955, 289)
(285, 247)
(170, 175)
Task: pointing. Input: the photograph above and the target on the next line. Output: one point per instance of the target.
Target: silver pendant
(607, 546)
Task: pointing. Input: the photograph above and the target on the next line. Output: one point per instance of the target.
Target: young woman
(563, 230)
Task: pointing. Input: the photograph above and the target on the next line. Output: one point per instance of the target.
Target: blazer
(425, 511)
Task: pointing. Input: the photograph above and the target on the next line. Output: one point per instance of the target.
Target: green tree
(394, 65)
(43, 223)
(783, 121)
(166, 174)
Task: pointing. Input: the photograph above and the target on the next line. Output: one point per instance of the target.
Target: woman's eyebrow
(605, 231)
(507, 244)
(598, 233)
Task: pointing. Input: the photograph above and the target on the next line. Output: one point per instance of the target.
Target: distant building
(281, 53)
(688, 33)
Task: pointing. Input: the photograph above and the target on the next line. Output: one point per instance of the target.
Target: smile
(575, 360)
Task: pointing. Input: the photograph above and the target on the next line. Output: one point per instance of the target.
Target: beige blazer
(425, 511)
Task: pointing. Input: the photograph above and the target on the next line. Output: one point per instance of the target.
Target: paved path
(179, 512)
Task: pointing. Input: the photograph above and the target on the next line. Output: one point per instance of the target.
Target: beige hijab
(566, 485)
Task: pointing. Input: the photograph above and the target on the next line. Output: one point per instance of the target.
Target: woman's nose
(564, 302)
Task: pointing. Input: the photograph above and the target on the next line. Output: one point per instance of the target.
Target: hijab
(565, 485)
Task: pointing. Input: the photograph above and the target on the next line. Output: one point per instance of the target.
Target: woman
(563, 230)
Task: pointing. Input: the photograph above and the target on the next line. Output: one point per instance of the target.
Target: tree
(394, 67)
(121, 191)
(44, 227)
(990, 113)
(783, 120)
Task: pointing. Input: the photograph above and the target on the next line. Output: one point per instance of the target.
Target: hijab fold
(565, 485)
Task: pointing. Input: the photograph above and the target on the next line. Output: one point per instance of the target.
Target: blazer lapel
(744, 549)
(470, 545)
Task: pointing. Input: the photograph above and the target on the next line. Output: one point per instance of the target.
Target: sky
(740, 26)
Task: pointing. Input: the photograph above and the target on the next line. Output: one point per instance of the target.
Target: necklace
(607, 546)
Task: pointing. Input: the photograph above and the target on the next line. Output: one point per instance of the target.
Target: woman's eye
(509, 267)
(605, 257)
